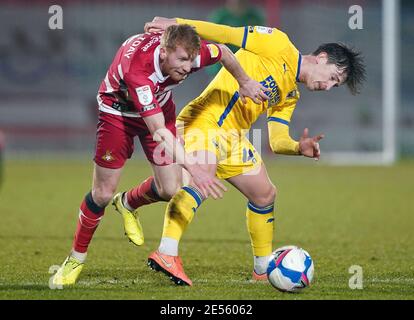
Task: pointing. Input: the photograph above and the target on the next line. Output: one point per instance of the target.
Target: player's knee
(273, 193)
(267, 197)
(102, 197)
(169, 190)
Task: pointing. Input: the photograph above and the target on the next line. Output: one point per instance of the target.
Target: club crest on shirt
(144, 95)
(108, 157)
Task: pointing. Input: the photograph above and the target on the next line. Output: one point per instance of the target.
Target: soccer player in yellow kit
(214, 127)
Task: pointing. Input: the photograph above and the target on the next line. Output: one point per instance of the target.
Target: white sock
(81, 257)
(261, 264)
(126, 204)
(168, 246)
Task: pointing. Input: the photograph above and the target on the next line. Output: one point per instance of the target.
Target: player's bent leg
(261, 194)
(168, 180)
(179, 213)
(183, 205)
(105, 182)
(165, 182)
(90, 214)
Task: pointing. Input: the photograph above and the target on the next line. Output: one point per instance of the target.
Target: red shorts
(115, 140)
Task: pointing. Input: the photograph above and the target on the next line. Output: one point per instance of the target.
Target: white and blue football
(290, 269)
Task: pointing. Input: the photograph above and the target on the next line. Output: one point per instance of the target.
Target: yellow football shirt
(267, 56)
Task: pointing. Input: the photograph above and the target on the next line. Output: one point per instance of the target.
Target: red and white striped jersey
(134, 85)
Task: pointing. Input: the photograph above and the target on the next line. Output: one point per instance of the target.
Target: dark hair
(347, 59)
(182, 35)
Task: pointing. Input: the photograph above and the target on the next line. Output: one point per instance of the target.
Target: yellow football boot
(132, 226)
(68, 272)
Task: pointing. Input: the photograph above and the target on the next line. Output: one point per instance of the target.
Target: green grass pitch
(343, 216)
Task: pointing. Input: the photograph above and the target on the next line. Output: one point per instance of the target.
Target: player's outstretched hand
(309, 146)
(253, 90)
(207, 184)
(159, 24)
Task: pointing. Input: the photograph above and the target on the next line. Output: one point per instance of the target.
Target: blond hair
(182, 35)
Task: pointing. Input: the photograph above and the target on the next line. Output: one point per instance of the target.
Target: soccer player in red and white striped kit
(135, 100)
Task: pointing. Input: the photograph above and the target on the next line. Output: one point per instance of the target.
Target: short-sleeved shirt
(269, 57)
(134, 85)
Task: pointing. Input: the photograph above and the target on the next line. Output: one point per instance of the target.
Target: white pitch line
(206, 281)
(143, 281)
(396, 280)
(96, 282)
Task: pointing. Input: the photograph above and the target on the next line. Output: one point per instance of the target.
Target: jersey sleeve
(210, 53)
(141, 91)
(283, 113)
(264, 41)
(278, 120)
(257, 39)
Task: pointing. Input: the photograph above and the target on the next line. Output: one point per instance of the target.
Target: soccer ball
(290, 269)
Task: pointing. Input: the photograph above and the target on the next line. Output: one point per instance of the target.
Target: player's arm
(149, 109)
(280, 139)
(248, 87)
(211, 53)
(173, 147)
(208, 185)
(207, 30)
(257, 39)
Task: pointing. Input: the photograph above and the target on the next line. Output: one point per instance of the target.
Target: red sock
(144, 194)
(90, 215)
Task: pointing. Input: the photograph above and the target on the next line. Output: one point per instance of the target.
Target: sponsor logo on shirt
(265, 30)
(150, 43)
(149, 107)
(133, 45)
(274, 94)
(144, 95)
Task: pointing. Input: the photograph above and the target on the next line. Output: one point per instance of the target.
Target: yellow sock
(260, 226)
(180, 211)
